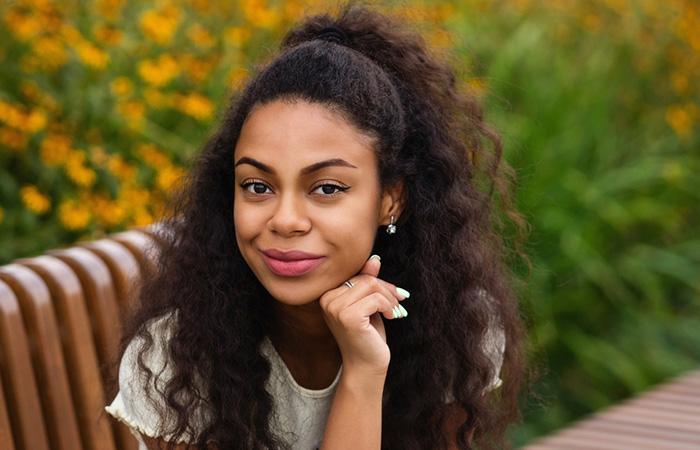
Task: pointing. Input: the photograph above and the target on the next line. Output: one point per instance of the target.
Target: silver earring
(391, 228)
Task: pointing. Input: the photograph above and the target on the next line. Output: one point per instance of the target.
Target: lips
(289, 255)
(292, 263)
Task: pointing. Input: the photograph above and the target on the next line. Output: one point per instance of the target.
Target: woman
(268, 325)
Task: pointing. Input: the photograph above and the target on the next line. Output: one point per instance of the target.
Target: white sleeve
(130, 404)
(494, 344)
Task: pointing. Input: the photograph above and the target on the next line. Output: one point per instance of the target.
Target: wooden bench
(60, 318)
(667, 417)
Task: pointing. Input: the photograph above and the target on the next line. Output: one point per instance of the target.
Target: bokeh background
(104, 102)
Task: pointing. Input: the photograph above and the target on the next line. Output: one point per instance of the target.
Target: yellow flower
(237, 76)
(680, 118)
(98, 155)
(34, 121)
(159, 72)
(168, 177)
(120, 168)
(74, 215)
(55, 149)
(236, 36)
(196, 68)
(107, 34)
(34, 200)
(121, 86)
(476, 86)
(13, 139)
(10, 114)
(92, 56)
(16, 117)
(293, 10)
(155, 98)
(71, 34)
(141, 218)
(30, 90)
(24, 26)
(50, 53)
(160, 25)
(200, 36)
(134, 196)
(109, 9)
(107, 212)
(259, 15)
(133, 111)
(77, 171)
(152, 155)
(195, 105)
(440, 39)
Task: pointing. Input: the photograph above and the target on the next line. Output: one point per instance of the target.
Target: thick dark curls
(380, 75)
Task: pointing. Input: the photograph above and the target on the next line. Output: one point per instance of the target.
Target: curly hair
(381, 76)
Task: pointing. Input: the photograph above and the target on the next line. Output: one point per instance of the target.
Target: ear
(392, 203)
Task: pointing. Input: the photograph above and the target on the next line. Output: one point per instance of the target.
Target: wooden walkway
(667, 417)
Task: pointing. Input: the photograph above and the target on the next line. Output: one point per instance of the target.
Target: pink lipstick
(294, 264)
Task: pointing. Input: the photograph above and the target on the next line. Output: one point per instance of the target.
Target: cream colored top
(299, 414)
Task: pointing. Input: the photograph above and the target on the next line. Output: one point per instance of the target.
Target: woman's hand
(352, 314)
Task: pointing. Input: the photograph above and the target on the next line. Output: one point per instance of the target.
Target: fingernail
(403, 292)
(403, 311)
(375, 256)
(396, 312)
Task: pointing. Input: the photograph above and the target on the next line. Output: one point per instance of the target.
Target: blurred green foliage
(598, 108)
(101, 107)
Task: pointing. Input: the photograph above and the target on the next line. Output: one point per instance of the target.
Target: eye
(258, 187)
(326, 187)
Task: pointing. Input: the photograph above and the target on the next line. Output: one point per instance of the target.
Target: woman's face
(284, 202)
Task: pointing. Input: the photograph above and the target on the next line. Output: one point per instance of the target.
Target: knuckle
(373, 282)
(344, 315)
(324, 302)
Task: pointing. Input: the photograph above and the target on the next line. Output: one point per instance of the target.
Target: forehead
(300, 133)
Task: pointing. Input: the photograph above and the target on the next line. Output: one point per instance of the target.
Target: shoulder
(139, 402)
(131, 377)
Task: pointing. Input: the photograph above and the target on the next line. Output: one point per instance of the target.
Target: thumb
(372, 266)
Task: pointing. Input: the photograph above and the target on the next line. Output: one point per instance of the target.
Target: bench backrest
(60, 325)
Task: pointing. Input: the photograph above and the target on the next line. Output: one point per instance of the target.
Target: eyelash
(340, 189)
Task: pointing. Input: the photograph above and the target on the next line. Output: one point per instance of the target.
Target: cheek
(247, 226)
(352, 231)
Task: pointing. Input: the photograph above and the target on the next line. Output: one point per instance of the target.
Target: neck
(301, 331)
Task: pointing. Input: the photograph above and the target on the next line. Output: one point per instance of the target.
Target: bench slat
(102, 306)
(81, 355)
(6, 441)
(665, 417)
(47, 355)
(18, 378)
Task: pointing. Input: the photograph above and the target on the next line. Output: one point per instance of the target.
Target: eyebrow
(305, 171)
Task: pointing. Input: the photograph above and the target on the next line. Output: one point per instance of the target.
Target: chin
(293, 295)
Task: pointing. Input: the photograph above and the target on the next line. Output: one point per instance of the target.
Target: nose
(289, 216)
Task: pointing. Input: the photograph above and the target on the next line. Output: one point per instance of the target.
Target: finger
(377, 303)
(364, 286)
(372, 266)
(368, 269)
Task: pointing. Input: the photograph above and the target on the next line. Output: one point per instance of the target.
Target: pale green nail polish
(403, 311)
(376, 256)
(403, 292)
(397, 312)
